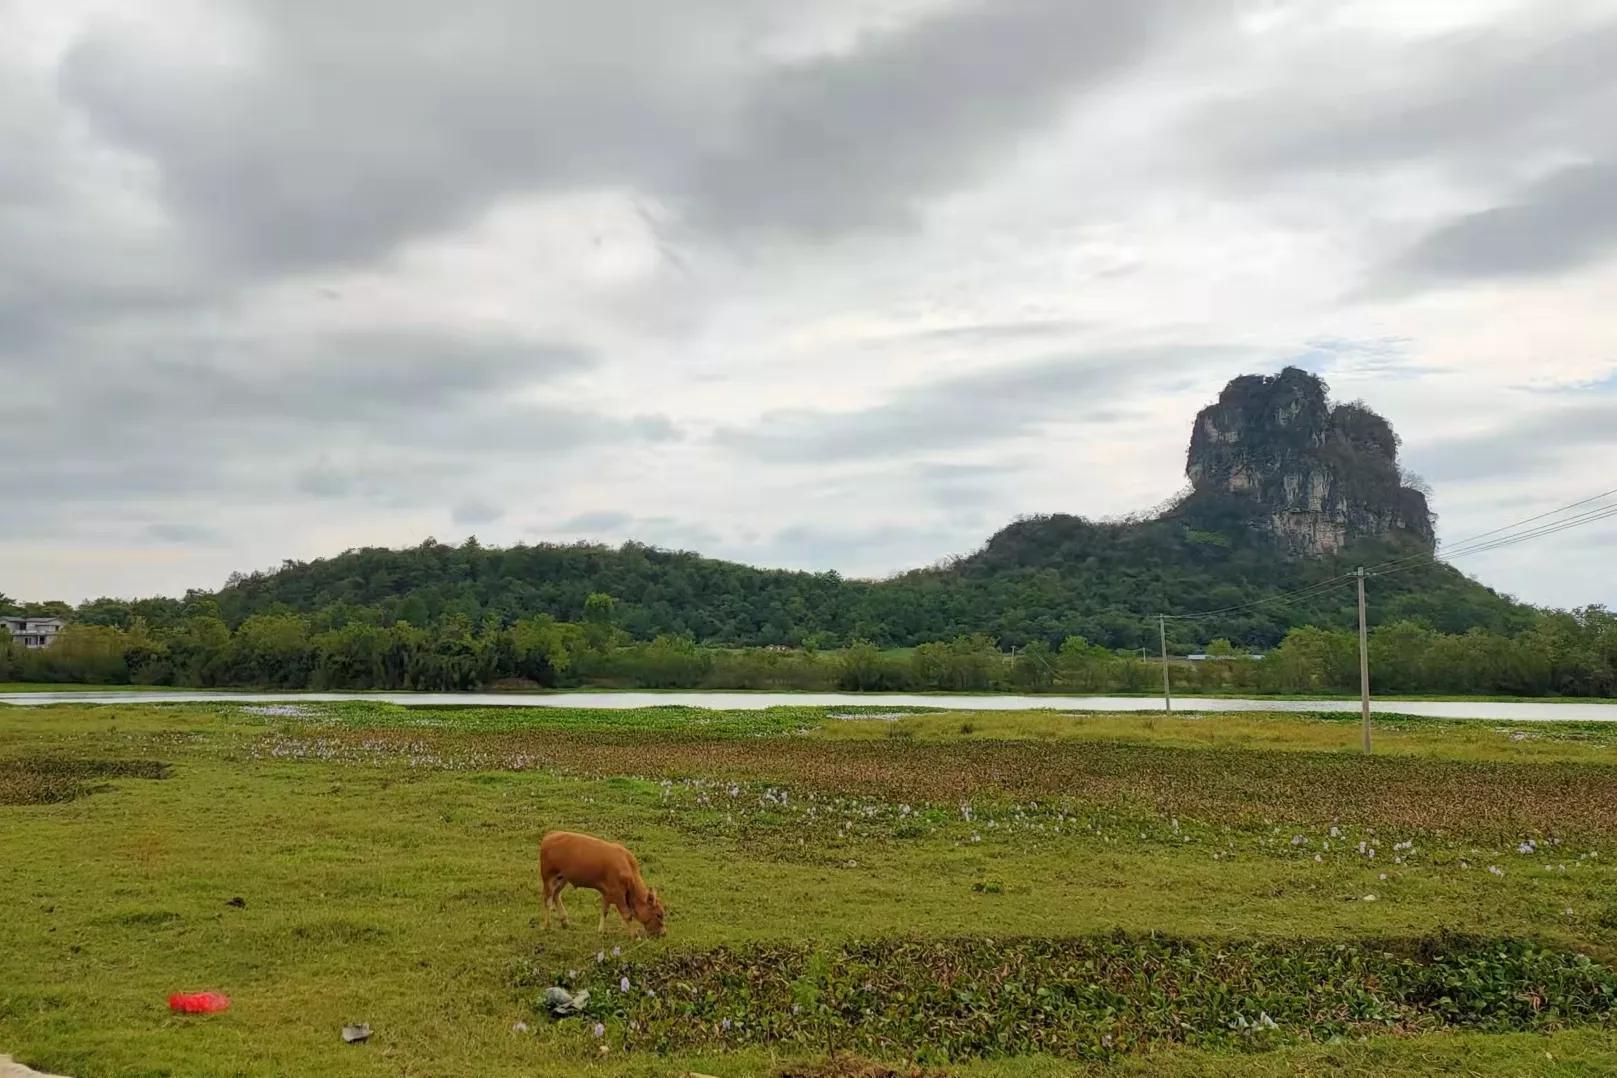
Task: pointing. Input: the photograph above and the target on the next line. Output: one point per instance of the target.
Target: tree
(600, 614)
(1084, 666)
(1034, 669)
(863, 668)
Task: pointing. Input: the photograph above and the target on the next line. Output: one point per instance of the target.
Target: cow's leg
(606, 904)
(561, 909)
(544, 889)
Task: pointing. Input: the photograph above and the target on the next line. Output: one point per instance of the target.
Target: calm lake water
(1527, 712)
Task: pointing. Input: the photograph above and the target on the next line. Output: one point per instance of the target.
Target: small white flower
(599, 1030)
(1496, 870)
(1383, 875)
(617, 952)
(520, 1027)
(600, 956)
(623, 982)
(1369, 898)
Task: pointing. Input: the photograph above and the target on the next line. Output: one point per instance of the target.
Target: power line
(1495, 539)
(1553, 528)
(1565, 524)
(1455, 549)
(1306, 591)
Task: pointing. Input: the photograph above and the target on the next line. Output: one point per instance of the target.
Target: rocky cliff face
(1314, 476)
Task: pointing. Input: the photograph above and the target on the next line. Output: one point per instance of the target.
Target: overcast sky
(838, 285)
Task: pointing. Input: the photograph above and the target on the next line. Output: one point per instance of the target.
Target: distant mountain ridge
(1286, 490)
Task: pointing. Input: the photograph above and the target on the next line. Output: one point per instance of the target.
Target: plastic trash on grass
(561, 1003)
(198, 1002)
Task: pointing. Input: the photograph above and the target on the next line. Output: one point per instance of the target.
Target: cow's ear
(628, 898)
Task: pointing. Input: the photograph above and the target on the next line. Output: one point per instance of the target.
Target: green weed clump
(1088, 998)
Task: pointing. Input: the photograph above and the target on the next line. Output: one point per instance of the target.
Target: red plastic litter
(198, 1002)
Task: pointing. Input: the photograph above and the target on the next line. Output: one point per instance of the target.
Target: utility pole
(1364, 664)
(1167, 691)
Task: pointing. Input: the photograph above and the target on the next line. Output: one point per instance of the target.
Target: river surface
(750, 701)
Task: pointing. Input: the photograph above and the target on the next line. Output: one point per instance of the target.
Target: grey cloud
(476, 511)
(323, 481)
(345, 377)
(856, 140)
(352, 127)
(1562, 222)
(184, 534)
(860, 551)
(603, 520)
(315, 390)
(1533, 445)
(610, 524)
(1385, 357)
(992, 332)
(1505, 89)
(387, 418)
(974, 408)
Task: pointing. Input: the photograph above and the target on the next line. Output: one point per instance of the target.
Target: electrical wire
(1454, 548)
(1307, 591)
(1554, 528)
(1496, 539)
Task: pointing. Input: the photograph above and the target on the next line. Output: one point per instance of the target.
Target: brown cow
(592, 863)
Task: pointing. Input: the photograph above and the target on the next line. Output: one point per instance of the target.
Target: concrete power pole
(1364, 664)
(1167, 691)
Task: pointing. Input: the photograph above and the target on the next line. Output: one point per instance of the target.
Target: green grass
(386, 861)
(1459, 739)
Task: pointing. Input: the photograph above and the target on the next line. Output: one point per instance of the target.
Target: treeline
(1046, 579)
(1565, 654)
(1562, 654)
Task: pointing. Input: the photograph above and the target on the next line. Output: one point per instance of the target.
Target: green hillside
(1042, 578)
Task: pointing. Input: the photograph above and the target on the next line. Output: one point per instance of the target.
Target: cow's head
(648, 911)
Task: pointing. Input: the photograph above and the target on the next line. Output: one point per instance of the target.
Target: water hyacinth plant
(1100, 996)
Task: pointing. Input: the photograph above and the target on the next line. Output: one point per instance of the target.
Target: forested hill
(1045, 578)
(1287, 489)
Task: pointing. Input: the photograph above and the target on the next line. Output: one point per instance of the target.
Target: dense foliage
(1043, 578)
(938, 1000)
(1567, 654)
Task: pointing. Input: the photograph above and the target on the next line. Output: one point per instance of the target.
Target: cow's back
(584, 860)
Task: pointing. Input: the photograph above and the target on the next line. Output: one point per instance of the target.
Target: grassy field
(984, 894)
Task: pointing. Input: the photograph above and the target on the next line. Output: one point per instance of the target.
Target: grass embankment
(55, 686)
(674, 694)
(1158, 892)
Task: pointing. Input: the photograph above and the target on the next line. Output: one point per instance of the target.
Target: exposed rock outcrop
(1314, 476)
